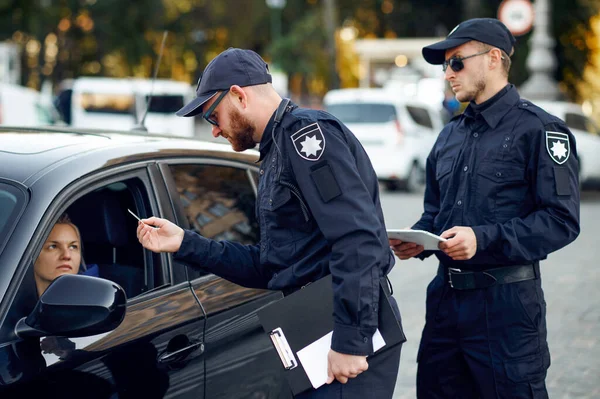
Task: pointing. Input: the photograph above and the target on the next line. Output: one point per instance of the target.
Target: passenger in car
(61, 254)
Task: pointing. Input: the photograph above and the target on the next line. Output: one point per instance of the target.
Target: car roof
(370, 95)
(26, 153)
(360, 95)
(559, 108)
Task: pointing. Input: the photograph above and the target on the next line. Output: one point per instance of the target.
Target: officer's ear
(239, 96)
(496, 58)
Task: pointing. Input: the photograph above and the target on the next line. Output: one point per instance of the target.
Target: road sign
(517, 15)
(276, 3)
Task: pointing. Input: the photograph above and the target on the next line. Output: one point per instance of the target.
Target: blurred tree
(68, 38)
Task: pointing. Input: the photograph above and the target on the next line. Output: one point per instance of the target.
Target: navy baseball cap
(486, 30)
(233, 66)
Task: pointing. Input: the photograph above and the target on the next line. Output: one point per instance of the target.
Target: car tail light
(399, 132)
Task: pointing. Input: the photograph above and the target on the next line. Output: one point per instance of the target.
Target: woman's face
(61, 254)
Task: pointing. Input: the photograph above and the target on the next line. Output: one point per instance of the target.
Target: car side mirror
(75, 306)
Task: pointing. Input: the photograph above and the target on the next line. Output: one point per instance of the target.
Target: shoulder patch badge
(558, 146)
(309, 142)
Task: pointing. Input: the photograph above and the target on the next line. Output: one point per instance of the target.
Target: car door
(217, 200)
(157, 351)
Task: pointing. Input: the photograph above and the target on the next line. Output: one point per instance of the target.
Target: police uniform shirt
(319, 212)
(509, 170)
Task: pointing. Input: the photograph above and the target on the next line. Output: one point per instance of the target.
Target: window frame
(178, 209)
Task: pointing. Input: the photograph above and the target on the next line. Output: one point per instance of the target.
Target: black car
(148, 326)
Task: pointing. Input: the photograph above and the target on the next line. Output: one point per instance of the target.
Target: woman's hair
(65, 219)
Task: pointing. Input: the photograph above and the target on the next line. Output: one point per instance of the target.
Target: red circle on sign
(517, 15)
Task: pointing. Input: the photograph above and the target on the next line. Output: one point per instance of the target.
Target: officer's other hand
(159, 235)
(341, 367)
(405, 250)
(461, 244)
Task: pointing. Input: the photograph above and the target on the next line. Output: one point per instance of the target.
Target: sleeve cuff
(482, 237)
(192, 245)
(352, 340)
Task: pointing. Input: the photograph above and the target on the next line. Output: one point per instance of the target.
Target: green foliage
(125, 35)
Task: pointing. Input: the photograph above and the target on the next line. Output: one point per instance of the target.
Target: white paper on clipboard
(426, 239)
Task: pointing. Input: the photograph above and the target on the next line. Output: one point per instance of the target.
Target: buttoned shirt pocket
(284, 216)
(501, 189)
(442, 174)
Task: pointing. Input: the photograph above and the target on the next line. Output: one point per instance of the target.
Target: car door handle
(180, 354)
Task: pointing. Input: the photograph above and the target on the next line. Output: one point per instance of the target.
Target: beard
(473, 94)
(242, 132)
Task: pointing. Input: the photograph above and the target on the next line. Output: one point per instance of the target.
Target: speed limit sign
(517, 15)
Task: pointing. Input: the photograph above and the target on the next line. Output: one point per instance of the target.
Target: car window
(581, 122)
(165, 104)
(218, 201)
(363, 112)
(107, 103)
(108, 234)
(420, 115)
(12, 200)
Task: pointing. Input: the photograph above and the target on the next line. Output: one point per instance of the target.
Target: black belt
(471, 280)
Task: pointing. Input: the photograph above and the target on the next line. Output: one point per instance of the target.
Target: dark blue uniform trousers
(484, 343)
(377, 382)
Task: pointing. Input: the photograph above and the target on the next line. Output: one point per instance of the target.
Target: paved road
(570, 281)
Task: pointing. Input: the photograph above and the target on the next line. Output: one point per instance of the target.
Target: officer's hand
(165, 237)
(342, 367)
(405, 250)
(461, 244)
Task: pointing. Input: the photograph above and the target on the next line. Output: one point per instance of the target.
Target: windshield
(12, 200)
(363, 112)
(165, 104)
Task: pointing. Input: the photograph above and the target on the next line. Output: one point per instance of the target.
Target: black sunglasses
(209, 111)
(456, 63)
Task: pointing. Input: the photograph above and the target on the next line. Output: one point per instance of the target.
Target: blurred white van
(396, 132)
(119, 104)
(22, 106)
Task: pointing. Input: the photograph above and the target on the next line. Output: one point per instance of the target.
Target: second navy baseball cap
(233, 66)
(486, 30)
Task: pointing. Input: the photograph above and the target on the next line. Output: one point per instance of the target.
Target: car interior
(108, 235)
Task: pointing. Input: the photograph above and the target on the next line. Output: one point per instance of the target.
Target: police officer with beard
(502, 187)
(319, 212)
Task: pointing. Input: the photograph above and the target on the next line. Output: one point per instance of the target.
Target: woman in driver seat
(61, 254)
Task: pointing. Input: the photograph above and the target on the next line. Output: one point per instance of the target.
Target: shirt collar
(494, 109)
(267, 138)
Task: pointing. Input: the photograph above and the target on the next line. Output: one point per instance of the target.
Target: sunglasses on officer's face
(207, 115)
(456, 63)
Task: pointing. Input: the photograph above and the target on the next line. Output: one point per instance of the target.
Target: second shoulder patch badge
(558, 146)
(309, 142)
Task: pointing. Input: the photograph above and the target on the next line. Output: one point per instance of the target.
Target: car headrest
(100, 219)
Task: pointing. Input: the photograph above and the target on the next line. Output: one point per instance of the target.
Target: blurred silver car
(397, 133)
(587, 135)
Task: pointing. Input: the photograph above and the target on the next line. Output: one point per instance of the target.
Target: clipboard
(305, 316)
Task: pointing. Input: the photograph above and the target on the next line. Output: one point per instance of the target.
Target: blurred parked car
(185, 333)
(396, 132)
(111, 103)
(587, 135)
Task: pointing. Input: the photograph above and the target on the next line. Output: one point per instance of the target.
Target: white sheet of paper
(314, 357)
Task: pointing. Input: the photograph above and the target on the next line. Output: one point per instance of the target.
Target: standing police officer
(319, 212)
(502, 187)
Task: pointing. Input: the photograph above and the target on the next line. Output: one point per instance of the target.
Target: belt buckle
(450, 270)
